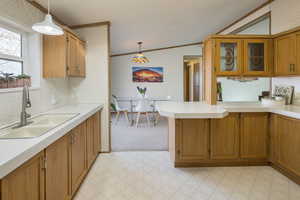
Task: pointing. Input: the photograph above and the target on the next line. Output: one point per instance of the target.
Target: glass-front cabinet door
(228, 57)
(255, 57)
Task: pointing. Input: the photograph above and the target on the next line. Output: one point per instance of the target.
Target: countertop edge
(210, 115)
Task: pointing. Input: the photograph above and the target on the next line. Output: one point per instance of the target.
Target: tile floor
(150, 176)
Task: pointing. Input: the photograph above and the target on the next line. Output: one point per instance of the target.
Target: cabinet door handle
(294, 69)
(290, 69)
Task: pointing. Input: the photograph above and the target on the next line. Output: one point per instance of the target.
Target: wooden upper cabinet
(57, 171)
(256, 57)
(55, 56)
(254, 135)
(81, 52)
(285, 55)
(193, 139)
(228, 57)
(287, 140)
(26, 182)
(78, 156)
(297, 67)
(72, 66)
(63, 56)
(225, 137)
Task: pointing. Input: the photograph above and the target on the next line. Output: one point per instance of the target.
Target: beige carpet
(129, 138)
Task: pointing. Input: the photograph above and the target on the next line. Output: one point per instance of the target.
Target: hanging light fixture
(139, 57)
(48, 27)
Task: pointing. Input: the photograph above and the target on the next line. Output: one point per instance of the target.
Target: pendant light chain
(48, 7)
(140, 47)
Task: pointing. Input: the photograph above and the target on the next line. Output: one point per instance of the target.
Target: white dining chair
(142, 107)
(120, 110)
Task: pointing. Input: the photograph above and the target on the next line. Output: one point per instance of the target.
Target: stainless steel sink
(39, 125)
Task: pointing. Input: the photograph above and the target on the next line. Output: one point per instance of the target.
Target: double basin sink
(38, 126)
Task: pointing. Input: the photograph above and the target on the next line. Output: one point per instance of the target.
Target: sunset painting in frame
(147, 74)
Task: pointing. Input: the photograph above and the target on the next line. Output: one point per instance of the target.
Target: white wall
(23, 15)
(260, 28)
(243, 91)
(172, 62)
(248, 19)
(94, 88)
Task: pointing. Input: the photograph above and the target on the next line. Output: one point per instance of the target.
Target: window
(11, 57)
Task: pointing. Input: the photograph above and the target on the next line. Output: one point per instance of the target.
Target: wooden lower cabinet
(78, 156)
(90, 156)
(93, 138)
(26, 182)
(225, 137)
(287, 144)
(254, 135)
(237, 139)
(97, 133)
(193, 139)
(57, 172)
(57, 169)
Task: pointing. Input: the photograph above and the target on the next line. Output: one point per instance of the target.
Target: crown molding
(158, 49)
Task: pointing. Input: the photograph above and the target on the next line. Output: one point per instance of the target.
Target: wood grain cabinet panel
(78, 156)
(193, 139)
(63, 56)
(72, 64)
(55, 56)
(26, 182)
(57, 170)
(81, 52)
(287, 143)
(228, 57)
(97, 133)
(90, 141)
(285, 55)
(254, 135)
(257, 54)
(224, 137)
(297, 67)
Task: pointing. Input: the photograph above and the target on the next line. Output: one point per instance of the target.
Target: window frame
(24, 48)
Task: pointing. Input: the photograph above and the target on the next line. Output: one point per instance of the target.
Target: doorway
(192, 78)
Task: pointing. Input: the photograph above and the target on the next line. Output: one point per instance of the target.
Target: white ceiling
(158, 23)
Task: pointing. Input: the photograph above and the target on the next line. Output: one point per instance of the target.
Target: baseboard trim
(292, 176)
(221, 164)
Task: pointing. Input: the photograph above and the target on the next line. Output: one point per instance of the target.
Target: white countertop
(203, 110)
(15, 152)
(190, 110)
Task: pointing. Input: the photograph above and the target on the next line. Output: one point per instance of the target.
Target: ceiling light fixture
(139, 57)
(48, 27)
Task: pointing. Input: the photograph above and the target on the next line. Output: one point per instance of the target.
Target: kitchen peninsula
(234, 134)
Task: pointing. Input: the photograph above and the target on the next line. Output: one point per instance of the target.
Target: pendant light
(48, 27)
(140, 58)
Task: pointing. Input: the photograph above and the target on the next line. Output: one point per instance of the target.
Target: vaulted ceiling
(158, 23)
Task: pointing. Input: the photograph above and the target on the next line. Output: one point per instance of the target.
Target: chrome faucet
(25, 104)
